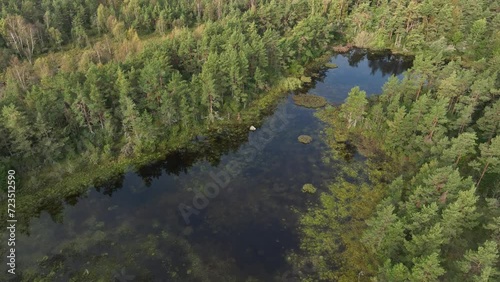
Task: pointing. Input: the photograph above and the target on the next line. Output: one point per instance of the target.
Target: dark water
(131, 229)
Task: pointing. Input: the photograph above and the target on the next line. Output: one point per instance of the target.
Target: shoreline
(55, 192)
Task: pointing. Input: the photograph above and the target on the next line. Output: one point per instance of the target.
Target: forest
(88, 83)
(429, 208)
(81, 87)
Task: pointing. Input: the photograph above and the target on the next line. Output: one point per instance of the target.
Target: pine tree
(390, 96)
(426, 243)
(476, 38)
(423, 219)
(435, 185)
(179, 90)
(129, 124)
(101, 19)
(489, 159)
(258, 53)
(464, 119)
(481, 265)
(385, 233)
(460, 215)
(427, 269)
(122, 84)
(422, 72)
(96, 96)
(168, 109)
(433, 123)
(463, 145)
(399, 131)
(420, 108)
(154, 77)
(47, 147)
(450, 88)
(260, 79)
(235, 76)
(389, 272)
(20, 130)
(211, 98)
(494, 227)
(489, 123)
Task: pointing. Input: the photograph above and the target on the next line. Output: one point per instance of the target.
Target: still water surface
(131, 229)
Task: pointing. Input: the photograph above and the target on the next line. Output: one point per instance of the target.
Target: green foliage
(480, 265)
(461, 146)
(20, 131)
(427, 269)
(489, 123)
(490, 157)
(433, 137)
(331, 65)
(114, 92)
(309, 188)
(384, 233)
(354, 108)
(434, 133)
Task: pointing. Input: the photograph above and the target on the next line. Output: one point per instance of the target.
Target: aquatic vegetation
(342, 48)
(188, 231)
(331, 65)
(309, 100)
(309, 188)
(306, 79)
(305, 139)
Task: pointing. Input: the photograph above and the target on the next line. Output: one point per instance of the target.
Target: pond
(227, 214)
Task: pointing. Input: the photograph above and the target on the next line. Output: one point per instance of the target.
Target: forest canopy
(93, 81)
(429, 207)
(88, 82)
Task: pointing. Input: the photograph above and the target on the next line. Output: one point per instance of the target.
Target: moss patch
(305, 139)
(309, 188)
(331, 65)
(306, 79)
(309, 101)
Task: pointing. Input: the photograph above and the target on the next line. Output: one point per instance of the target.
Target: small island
(309, 188)
(305, 139)
(309, 100)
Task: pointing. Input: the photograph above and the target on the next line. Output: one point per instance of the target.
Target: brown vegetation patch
(342, 48)
(305, 139)
(309, 101)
